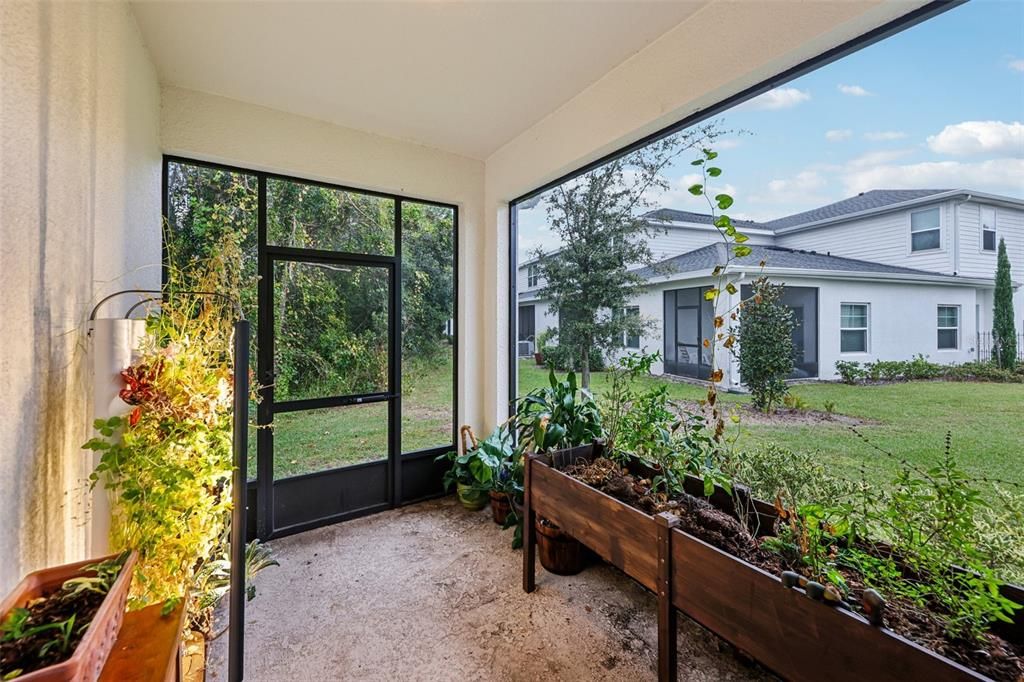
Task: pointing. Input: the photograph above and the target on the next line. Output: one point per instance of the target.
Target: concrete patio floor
(432, 592)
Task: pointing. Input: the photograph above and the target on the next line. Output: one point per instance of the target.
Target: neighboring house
(884, 275)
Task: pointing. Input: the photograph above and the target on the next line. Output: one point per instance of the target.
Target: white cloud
(838, 135)
(877, 158)
(885, 135)
(678, 195)
(1016, 64)
(979, 137)
(854, 91)
(804, 181)
(995, 175)
(726, 143)
(779, 98)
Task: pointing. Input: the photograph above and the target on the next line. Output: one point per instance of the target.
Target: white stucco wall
(902, 320)
(203, 126)
(79, 217)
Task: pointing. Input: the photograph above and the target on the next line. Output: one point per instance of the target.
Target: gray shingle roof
(707, 257)
(671, 214)
(865, 201)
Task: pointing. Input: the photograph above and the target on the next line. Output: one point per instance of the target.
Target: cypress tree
(1004, 334)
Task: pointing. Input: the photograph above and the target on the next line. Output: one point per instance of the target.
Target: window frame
(532, 275)
(626, 311)
(912, 231)
(866, 328)
(266, 250)
(981, 228)
(957, 328)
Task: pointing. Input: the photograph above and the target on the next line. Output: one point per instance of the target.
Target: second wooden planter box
(796, 637)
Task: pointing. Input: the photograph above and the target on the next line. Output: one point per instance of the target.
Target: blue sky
(940, 105)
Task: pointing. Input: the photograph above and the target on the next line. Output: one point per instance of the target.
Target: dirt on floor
(433, 592)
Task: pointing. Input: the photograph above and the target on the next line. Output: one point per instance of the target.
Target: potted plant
(61, 623)
(473, 472)
(560, 415)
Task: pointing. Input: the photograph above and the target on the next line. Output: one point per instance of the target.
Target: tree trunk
(585, 364)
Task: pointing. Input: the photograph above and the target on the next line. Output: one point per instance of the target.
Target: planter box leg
(667, 663)
(529, 532)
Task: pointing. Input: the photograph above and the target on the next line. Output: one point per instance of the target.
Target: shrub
(795, 401)
(1004, 335)
(850, 372)
(921, 368)
(766, 344)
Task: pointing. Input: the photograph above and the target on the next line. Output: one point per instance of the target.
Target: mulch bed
(994, 656)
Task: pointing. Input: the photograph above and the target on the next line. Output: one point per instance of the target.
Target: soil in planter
(24, 654)
(993, 657)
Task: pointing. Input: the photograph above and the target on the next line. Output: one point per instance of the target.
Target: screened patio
(435, 117)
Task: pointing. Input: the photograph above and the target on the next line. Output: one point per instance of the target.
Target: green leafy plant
(560, 415)
(850, 372)
(483, 467)
(766, 344)
(40, 634)
(169, 462)
(830, 407)
(928, 518)
(795, 401)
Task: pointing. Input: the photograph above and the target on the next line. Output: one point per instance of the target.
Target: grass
(317, 440)
(986, 421)
(908, 419)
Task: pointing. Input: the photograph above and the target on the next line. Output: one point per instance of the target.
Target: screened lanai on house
(364, 156)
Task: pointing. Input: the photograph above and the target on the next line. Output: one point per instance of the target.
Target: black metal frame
(884, 31)
(263, 488)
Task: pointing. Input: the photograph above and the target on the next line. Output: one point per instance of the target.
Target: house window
(949, 327)
(853, 328)
(532, 275)
(988, 228)
(924, 230)
(630, 340)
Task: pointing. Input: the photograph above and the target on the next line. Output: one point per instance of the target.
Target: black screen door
(330, 449)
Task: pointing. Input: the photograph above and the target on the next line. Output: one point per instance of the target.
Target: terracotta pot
(471, 498)
(559, 552)
(500, 507)
(539, 359)
(86, 663)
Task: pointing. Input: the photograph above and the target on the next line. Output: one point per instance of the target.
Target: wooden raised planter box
(794, 636)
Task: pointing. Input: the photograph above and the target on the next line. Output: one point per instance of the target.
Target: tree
(765, 344)
(1004, 333)
(598, 220)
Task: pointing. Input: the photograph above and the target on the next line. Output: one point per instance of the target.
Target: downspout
(956, 263)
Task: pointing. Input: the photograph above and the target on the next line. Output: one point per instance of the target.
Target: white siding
(974, 262)
(677, 240)
(882, 238)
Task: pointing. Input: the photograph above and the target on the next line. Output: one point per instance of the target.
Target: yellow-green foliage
(169, 461)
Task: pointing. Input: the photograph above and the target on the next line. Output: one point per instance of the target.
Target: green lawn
(908, 419)
(986, 422)
(315, 440)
